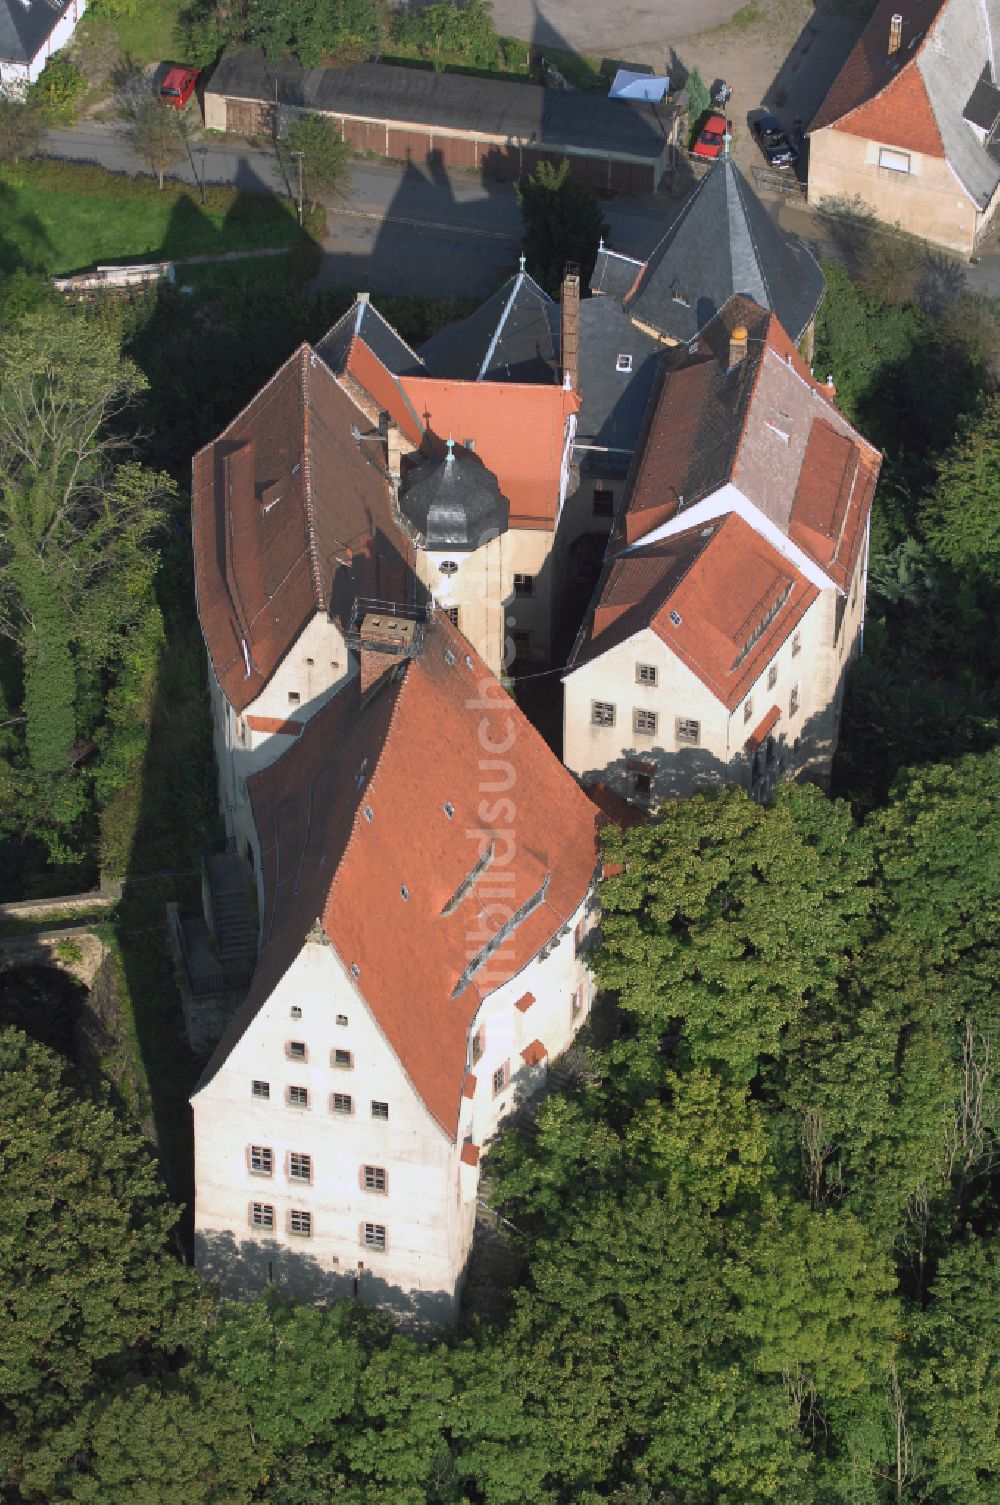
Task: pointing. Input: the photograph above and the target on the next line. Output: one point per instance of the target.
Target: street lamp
(203, 153)
(300, 156)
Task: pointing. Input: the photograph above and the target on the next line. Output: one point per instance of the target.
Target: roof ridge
(394, 331)
(673, 229)
(281, 371)
(736, 178)
(308, 360)
(490, 349)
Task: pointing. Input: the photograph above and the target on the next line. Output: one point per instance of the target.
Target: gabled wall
(928, 201)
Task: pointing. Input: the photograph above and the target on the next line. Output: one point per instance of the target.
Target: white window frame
(890, 160)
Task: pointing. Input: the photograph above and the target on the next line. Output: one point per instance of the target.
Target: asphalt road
(392, 228)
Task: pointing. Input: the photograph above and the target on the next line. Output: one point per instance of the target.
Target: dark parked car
(773, 142)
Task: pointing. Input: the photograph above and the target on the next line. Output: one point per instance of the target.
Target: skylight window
(449, 809)
(624, 363)
(501, 935)
(676, 618)
(369, 814)
(469, 881)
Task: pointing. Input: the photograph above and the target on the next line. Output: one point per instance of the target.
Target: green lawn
(150, 36)
(48, 224)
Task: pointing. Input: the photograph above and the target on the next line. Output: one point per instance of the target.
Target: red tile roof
(356, 811)
(754, 425)
(832, 500)
(534, 1054)
(615, 811)
(519, 429)
(763, 729)
(722, 581)
(290, 516)
(470, 1153)
(524, 1003)
(469, 1085)
(275, 725)
(881, 95)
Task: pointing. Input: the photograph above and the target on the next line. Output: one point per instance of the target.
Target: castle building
(377, 536)
(426, 872)
(732, 599)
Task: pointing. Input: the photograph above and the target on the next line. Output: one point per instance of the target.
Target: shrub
(58, 90)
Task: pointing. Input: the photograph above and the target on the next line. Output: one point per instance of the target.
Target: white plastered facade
(425, 1216)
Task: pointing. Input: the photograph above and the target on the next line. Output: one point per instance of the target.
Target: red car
(178, 86)
(712, 138)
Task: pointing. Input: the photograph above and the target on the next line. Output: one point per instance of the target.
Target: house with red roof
(354, 475)
(732, 598)
(910, 125)
(426, 872)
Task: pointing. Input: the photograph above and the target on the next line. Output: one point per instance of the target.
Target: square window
(299, 1166)
(645, 674)
(623, 363)
(644, 722)
(524, 585)
(687, 730)
(796, 644)
(478, 1044)
(793, 700)
(295, 1050)
(295, 1011)
(294, 697)
(501, 1077)
(642, 784)
(298, 1097)
(451, 612)
(260, 1089)
(602, 713)
(342, 1102)
(300, 1222)
(343, 1058)
(380, 1110)
(261, 1215)
(772, 676)
(261, 1160)
(373, 1235)
(747, 708)
(604, 502)
(342, 1020)
(373, 1178)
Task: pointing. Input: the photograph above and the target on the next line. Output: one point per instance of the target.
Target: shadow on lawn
(32, 248)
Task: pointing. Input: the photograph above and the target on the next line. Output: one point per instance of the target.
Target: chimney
(737, 346)
(895, 32)
(393, 449)
(831, 390)
(569, 330)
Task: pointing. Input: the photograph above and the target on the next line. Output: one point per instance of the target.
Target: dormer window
(623, 363)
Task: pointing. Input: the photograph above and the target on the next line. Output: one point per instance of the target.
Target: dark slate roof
(365, 321)
(453, 501)
(983, 107)
(725, 242)
(613, 401)
(614, 275)
(513, 336)
(514, 112)
(24, 28)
